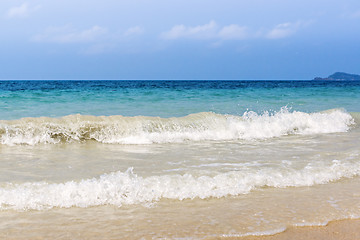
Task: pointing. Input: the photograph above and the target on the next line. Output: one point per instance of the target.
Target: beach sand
(36, 225)
(336, 230)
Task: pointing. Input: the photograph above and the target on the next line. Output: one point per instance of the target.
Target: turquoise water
(20, 99)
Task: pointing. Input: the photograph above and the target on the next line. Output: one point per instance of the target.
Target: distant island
(340, 76)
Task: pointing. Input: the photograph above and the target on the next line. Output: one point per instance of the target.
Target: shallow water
(206, 175)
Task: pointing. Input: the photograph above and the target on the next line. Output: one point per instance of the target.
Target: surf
(202, 126)
(127, 188)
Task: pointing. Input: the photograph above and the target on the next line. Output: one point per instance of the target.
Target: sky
(178, 39)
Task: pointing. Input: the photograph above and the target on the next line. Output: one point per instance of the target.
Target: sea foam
(194, 127)
(119, 188)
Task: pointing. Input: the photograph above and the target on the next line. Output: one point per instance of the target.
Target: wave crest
(194, 127)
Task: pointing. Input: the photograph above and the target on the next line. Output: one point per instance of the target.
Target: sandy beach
(336, 230)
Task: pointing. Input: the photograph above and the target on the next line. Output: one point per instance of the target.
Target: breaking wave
(194, 127)
(119, 188)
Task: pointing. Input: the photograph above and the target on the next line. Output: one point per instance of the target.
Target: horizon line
(149, 79)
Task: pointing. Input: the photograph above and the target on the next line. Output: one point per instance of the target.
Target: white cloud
(212, 31)
(205, 31)
(281, 31)
(21, 11)
(233, 31)
(68, 34)
(134, 31)
(284, 30)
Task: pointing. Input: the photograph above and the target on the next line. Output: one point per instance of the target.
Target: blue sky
(173, 39)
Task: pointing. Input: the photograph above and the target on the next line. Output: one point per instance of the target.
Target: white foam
(120, 188)
(194, 127)
(311, 224)
(261, 233)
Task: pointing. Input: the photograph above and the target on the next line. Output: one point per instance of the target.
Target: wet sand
(336, 230)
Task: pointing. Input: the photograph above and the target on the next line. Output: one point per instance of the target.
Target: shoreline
(348, 229)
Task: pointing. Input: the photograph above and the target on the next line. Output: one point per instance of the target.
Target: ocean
(176, 159)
